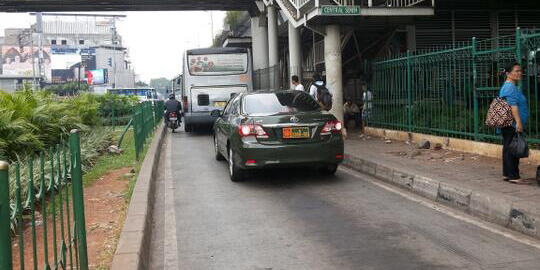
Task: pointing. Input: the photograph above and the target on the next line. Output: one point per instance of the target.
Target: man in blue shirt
(515, 98)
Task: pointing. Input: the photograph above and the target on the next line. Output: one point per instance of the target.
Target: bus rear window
(218, 64)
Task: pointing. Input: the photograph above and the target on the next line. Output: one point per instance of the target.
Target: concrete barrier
(132, 252)
(495, 208)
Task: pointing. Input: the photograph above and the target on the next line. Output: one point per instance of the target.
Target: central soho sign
(340, 10)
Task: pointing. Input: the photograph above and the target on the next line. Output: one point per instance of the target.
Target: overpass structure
(123, 5)
(331, 20)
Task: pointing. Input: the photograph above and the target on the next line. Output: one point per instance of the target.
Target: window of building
(53, 42)
(81, 42)
(64, 42)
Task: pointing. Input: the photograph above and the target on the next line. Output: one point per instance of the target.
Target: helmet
(171, 95)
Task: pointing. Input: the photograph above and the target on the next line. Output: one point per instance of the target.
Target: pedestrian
(317, 82)
(351, 112)
(296, 83)
(515, 98)
(367, 107)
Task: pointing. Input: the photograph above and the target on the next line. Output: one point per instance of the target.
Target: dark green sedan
(277, 129)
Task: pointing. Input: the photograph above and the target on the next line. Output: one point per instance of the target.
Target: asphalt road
(296, 219)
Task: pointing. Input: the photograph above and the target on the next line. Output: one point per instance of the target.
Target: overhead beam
(125, 5)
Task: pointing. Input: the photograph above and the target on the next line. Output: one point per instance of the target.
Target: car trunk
(294, 128)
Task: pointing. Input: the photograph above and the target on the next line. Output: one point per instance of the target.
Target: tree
(141, 84)
(161, 85)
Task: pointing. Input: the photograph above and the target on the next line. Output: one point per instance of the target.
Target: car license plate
(295, 133)
(220, 104)
(173, 118)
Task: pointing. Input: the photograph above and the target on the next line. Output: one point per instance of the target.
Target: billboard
(218, 64)
(96, 76)
(63, 75)
(17, 61)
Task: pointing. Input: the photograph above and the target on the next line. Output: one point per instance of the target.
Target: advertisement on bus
(218, 64)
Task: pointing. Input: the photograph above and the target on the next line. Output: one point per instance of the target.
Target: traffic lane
(297, 219)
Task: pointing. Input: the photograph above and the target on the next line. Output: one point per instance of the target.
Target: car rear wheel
(329, 169)
(235, 172)
(219, 156)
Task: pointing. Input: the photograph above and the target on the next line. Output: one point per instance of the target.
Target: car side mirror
(215, 113)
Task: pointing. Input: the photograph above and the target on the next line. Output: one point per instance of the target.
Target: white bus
(210, 78)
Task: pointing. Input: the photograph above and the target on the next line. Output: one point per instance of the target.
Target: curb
(132, 252)
(491, 207)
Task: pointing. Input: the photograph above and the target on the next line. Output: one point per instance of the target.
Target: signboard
(63, 75)
(66, 56)
(340, 10)
(17, 61)
(96, 76)
(218, 64)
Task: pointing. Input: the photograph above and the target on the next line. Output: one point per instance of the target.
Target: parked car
(276, 129)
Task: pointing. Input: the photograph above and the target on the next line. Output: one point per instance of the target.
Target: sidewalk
(468, 182)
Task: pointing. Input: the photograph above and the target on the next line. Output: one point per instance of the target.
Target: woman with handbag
(515, 98)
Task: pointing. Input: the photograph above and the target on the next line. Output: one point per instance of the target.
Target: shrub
(30, 122)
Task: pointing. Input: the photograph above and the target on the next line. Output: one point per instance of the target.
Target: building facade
(72, 46)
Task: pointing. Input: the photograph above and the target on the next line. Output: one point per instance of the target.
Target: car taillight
(252, 130)
(331, 126)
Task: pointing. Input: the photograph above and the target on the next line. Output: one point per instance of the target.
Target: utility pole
(212, 27)
(114, 50)
(39, 30)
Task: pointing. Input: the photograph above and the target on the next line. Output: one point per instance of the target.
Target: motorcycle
(173, 123)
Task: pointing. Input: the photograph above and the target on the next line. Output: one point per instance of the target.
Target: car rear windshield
(279, 103)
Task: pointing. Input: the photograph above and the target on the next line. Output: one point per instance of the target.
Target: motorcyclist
(172, 105)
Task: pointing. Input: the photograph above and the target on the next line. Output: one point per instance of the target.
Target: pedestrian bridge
(298, 11)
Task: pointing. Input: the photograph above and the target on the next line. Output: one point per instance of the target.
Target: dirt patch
(105, 208)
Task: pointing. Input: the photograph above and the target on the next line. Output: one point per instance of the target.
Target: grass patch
(109, 162)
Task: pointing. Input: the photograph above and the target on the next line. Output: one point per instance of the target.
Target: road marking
(497, 229)
(170, 248)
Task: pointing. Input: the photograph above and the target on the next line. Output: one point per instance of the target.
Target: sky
(156, 40)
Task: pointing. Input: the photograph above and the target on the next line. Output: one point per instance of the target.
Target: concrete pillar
(259, 42)
(411, 37)
(295, 52)
(273, 55)
(333, 65)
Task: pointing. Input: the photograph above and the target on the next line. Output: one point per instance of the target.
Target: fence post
(409, 93)
(5, 228)
(475, 94)
(518, 53)
(78, 199)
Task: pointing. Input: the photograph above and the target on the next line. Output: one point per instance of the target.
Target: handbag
(519, 147)
(499, 114)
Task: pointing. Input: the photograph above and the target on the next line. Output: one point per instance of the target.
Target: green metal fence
(52, 188)
(447, 91)
(146, 116)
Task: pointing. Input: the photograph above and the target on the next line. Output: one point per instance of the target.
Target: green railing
(447, 91)
(146, 116)
(51, 187)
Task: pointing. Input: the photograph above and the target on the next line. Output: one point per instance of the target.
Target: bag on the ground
(519, 147)
(324, 97)
(499, 114)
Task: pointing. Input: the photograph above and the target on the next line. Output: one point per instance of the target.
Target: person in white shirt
(296, 83)
(317, 82)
